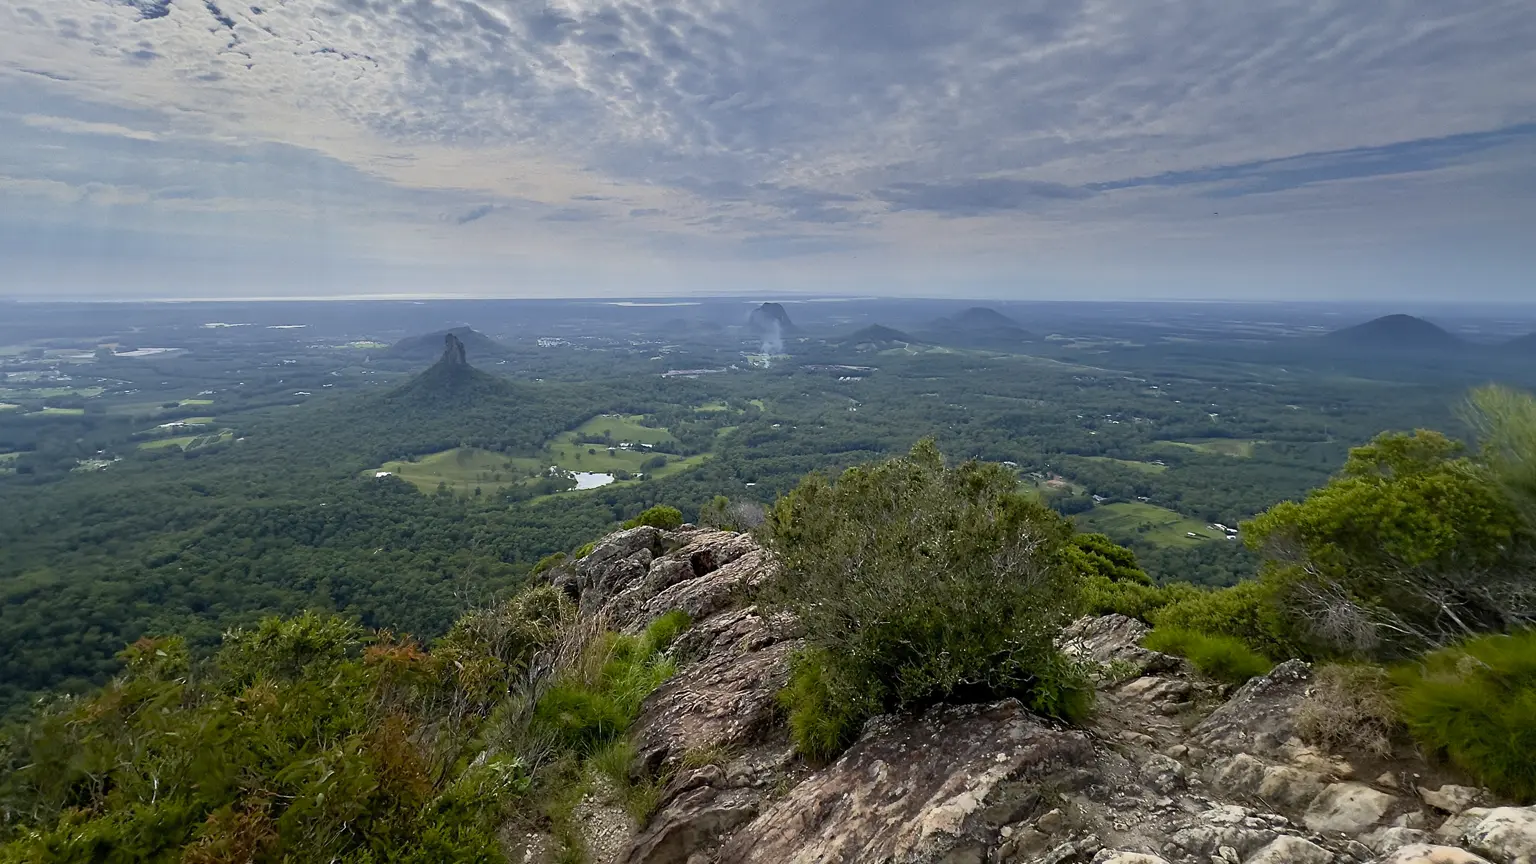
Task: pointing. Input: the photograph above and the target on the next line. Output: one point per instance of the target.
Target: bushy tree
(915, 583)
(1473, 703)
(661, 516)
(1412, 545)
(1505, 420)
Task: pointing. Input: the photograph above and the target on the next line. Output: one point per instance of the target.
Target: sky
(1013, 149)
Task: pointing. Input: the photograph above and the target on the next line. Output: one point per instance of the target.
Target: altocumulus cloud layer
(1022, 148)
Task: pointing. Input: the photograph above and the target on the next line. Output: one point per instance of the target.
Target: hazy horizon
(1192, 151)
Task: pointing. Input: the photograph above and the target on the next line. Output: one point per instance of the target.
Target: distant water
(587, 480)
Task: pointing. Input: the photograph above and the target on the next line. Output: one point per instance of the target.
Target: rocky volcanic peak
(770, 316)
(1172, 770)
(453, 351)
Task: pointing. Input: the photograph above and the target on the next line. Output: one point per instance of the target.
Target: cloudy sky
(981, 148)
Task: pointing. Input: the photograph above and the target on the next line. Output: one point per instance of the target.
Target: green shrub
(585, 714)
(585, 550)
(580, 718)
(1409, 547)
(664, 630)
(548, 562)
(1221, 657)
(1475, 703)
(916, 583)
(1246, 611)
(825, 714)
(306, 739)
(661, 516)
(1097, 555)
(1103, 596)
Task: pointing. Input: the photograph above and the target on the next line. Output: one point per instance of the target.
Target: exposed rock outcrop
(1172, 770)
(929, 789)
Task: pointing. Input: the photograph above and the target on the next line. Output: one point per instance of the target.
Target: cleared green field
(162, 443)
(53, 392)
(462, 468)
(8, 406)
(184, 442)
(1155, 524)
(9, 457)
(58, 411)
(622, 427)
(465, 468)
(1240, 448)
(189, 403)
(1143, 467)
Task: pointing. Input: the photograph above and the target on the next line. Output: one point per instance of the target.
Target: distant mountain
(1522, 345)
(771, 318)
(425, 347)
(1395, 333)
(978, 327)
(770, 323)
(451, 381)
(877, 334)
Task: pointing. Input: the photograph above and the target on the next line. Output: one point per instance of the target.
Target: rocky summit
(1173, 769)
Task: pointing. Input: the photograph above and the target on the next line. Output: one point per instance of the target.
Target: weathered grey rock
(713, 591)
(1238, 774)
(1290, 788)
(726, 699)
(1426, 854)
(1163, 774)
(1450, 798)
(1507, 835)
(1224, 825)
(1113, 856)
(1384, 841)
(616, 562)
(695, 820)
(1115, 639)
(1260, 717)
(929, 789)
(1286, 849)
(1454, 830)
(1349, 808)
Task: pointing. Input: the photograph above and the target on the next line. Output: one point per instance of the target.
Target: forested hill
(281, 518)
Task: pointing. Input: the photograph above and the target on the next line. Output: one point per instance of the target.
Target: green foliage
(585, 550)
(311, 739)
(1113, 581)
(638, 795)
(1411, 545)
(591, 706)
(917, 583)
(304, 739)
(717, 513)
(1505, 420)
(1102, 596)
(1221, 657)
(825, 710)
(1473, 703)
(662, 632)
(1095, 555)
(1248, 612)
(661, 516)
(549, 562)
